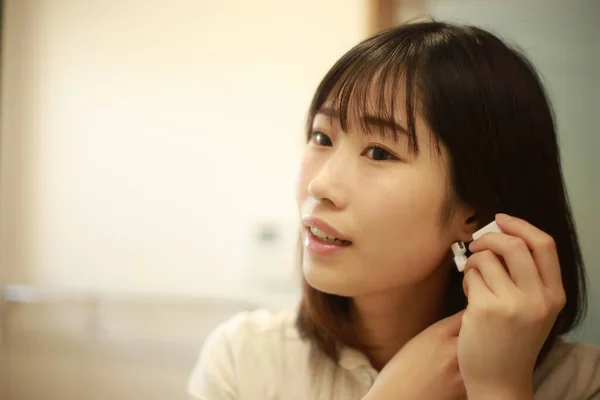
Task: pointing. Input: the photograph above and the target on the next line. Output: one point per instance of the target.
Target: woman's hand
(426, 368)
(515, 292)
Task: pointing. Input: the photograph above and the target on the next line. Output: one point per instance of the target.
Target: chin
(333, 281)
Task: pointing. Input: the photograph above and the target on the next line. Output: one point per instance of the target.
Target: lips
(322, 230)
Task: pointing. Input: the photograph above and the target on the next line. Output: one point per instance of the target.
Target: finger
(474, 285)
(492, 271)
(516, 256)
(541, 245)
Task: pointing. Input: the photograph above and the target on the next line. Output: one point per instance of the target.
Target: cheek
(404, 221)
(398, 202)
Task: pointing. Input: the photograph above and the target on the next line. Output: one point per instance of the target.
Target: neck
(385, 321)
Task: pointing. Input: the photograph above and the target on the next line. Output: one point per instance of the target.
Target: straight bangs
(368, 82)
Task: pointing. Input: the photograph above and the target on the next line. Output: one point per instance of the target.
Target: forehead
(380, 96)
(371, 109)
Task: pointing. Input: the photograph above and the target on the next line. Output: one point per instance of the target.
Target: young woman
(416, 138)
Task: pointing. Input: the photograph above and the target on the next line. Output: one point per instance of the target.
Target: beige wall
(143, 142)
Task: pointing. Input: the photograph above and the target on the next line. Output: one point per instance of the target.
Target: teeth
(320, 234)
(324, 237)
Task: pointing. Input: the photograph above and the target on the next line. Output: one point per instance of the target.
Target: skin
(388, 203)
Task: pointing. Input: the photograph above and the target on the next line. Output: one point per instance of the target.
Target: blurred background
(148, 152)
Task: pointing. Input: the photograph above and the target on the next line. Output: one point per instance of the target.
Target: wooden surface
(108, 351)
(385, 14)
(382, 15)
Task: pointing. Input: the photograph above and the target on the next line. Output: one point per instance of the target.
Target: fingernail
(503, 218)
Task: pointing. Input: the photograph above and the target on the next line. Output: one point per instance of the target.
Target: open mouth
(323, 237)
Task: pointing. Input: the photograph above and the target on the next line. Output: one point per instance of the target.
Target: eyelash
(392, 156)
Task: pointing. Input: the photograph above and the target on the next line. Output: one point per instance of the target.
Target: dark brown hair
(485, 102)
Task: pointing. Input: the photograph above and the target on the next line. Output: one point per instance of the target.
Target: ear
(467, 223)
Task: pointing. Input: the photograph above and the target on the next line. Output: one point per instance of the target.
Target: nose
(330, 184)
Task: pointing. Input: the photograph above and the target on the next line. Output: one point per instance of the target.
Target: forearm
(381, 392)
(502, 393)
(500, 396)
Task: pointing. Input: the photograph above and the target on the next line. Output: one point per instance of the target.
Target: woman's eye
(320, 139)
(379, 154)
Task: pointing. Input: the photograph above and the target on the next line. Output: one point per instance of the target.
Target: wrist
(485, 392)
(387, 391)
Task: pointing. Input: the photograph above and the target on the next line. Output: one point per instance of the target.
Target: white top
(260, 356)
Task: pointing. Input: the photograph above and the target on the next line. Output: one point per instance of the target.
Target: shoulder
(255, 325)
(250, 346)
(571, 370)
(260, 331)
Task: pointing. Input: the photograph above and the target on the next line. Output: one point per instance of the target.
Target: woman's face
(373, 192)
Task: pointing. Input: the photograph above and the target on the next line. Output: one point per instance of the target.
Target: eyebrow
(369, 120)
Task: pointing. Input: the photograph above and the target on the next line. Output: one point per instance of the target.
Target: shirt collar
(352, 359)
